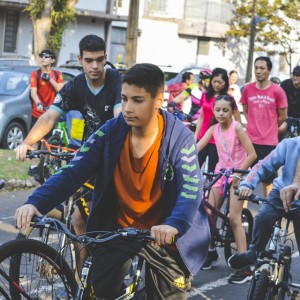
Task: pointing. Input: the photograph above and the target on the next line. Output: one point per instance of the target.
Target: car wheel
(13, 136)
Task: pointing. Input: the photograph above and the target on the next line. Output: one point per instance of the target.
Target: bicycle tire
(251, 288)
(230, 245)
(67, 249)
(286, 256)
(47, 165)
(261, 285)
(41, 271)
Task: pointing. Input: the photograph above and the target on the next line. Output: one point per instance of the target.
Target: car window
(13, 83)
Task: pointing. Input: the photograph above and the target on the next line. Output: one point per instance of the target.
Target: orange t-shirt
(137, 183)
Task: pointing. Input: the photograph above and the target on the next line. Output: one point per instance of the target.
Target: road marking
(7, 218)
(208, 287)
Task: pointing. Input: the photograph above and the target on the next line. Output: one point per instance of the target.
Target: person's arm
(245, 111)
(199, 124)
(206, 138)
(36, 99)
(282, 115)
(292, 191)
(43, 126)
(251, 154)
(56, 85)
(180, 98)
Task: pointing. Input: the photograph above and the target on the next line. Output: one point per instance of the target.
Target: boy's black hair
(267, 60)
(91, 43)
(147, 76)
(217, 72)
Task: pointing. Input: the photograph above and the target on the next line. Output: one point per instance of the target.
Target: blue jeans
(264, 220)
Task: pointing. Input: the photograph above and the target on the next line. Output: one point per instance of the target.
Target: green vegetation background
(10, 168)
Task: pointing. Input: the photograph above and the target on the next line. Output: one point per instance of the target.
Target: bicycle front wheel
(35, 268)
(261, 285)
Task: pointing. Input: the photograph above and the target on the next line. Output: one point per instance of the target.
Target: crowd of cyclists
(146, 165)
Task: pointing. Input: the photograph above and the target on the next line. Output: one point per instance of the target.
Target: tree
(49, 20)
(278, 34)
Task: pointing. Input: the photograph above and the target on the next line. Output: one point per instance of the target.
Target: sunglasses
(296, 74)
(42, 55)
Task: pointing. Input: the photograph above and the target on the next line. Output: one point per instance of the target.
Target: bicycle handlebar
(259, 200)
(101, 236)
(61, 155)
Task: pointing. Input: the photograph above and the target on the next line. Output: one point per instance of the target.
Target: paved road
(211, 284)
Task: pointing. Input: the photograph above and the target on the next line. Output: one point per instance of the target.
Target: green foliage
(279, 34)
(62, 14)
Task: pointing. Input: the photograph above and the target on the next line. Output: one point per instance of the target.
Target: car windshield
(13, 83)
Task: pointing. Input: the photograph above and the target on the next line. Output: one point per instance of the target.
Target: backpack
(38, 77)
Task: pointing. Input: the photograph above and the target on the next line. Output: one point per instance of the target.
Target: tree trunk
(41, 29)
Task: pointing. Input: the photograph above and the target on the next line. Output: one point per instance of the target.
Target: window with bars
(11, 28)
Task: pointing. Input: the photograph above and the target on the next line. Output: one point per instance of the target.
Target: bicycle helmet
(204, 74)
(121, 67)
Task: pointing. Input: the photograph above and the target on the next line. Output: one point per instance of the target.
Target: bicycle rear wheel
(230, 247)
(39, 270)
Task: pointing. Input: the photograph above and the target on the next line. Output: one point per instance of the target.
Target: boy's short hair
(147, 76)
(91, 43)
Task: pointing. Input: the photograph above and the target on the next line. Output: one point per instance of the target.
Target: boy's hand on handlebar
(24, 215)
(164, 234)
(288, 194)
(245, 192)
(21, 151)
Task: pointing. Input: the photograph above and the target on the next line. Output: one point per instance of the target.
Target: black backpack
(38, 77)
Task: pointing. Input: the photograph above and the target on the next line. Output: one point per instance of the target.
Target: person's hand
(164, 234)
(24, 215)
(39, 106)
(283, 128)
(21, 151)
(46, 76)
(244, 192)
(288, 194)
(236, 180)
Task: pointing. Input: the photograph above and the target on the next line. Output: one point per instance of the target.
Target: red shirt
(45, 90)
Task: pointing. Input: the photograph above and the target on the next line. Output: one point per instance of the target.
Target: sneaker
(212, 258)
(241, 276)
(240, 261)
(32, 171)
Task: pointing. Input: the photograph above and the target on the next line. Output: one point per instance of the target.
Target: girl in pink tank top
(235, 150)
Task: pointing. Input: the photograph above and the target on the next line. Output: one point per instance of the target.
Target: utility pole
(251, 43)
(132, 33)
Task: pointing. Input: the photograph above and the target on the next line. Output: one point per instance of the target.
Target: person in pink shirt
(218, 85)
(235, 150)
(265, 108)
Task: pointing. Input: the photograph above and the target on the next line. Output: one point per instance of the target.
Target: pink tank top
(230, 150)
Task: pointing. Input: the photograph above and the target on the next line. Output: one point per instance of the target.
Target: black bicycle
(222, 233)
(43, 273)
(272, 278)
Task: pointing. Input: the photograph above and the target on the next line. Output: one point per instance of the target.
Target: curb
(17, 184)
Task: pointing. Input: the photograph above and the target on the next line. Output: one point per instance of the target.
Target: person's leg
(235, 218)
(262, 230)
(110, 265)
(212, 256)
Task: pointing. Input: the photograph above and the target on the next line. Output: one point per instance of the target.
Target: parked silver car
(15, 105)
